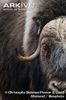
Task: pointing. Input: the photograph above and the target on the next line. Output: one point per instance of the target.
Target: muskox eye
(46, 47)
(47, 50)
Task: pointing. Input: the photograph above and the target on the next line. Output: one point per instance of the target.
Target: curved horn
(34, 55)
(31, 57)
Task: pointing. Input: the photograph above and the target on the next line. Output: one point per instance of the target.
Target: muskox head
(52, 52)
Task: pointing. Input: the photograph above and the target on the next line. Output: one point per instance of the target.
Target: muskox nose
(56, 86)
(61, 86)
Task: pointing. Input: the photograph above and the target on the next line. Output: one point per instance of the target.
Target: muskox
(37, 17)
(20, 33)
(52, 53)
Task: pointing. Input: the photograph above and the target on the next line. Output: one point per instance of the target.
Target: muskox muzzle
(57, 86)
(52, 51)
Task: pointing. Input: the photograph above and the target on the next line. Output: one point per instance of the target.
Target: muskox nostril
(52, 86)
(61, 86)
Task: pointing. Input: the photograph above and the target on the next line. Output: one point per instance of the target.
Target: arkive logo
(15, 6)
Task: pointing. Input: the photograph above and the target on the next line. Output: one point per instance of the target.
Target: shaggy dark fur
(15, 75)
